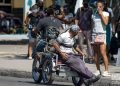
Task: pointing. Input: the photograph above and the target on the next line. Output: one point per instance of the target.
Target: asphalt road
(12, 81)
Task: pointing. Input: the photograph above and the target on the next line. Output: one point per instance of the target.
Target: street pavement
(14, 62)
(13, 81)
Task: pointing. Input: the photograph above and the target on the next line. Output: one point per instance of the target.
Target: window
(7, 1)
(5, 5)
(6, 8)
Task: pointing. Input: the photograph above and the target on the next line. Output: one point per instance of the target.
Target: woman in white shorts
(101, 19)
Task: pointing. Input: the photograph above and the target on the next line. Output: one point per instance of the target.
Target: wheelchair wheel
(47, 75)
(77, 81)
(36, 71)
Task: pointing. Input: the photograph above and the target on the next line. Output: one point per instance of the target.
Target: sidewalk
(13, 62)
(13, 39)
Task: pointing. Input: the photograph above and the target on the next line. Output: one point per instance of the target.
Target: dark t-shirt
(33, 19)
(85, 18)
(46, 22)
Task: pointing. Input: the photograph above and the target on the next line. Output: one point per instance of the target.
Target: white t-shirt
(65, 39)
(99, 26)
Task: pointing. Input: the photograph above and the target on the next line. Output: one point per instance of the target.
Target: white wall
(27, 5)
(79, 3)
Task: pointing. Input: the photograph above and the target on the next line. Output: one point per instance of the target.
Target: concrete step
(13, 39)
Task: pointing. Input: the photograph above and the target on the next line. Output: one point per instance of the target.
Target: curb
(9, 53)
(15, 73)
(24, 74)
(25, 41)
(13, 39)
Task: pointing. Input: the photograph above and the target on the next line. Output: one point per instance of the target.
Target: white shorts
(94, 36)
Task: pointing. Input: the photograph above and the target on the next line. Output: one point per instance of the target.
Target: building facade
(17, 7)
(14, 7)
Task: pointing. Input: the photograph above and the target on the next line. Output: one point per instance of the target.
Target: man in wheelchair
(64, 46)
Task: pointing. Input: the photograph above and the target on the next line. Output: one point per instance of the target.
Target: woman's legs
(30, 45)
(96, 59)
(104, 55)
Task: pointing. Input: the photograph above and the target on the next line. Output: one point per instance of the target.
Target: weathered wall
(48, 3)
(18, 3)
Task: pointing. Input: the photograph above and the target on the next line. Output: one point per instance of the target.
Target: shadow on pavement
(30, 82)
(12, 57)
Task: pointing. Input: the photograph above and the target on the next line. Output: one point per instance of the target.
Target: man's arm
(66, 21)
(27, 19)
(56, 45)
(79, 51)
(77, 16)
(38, 27)
(105, 19)
(76, 21)
(57, 48)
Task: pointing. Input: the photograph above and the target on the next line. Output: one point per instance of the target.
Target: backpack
(113, 45)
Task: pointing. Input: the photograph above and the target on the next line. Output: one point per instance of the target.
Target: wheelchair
(47, 65)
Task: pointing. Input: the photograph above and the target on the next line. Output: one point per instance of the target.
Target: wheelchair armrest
(60, 63)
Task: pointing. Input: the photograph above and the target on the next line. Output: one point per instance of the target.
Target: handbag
(114, 45)
(99, 39)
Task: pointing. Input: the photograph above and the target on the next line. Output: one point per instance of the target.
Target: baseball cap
(74, 28)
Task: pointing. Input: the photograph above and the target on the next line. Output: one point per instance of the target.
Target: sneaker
(94, 79)
(97, 73)
(106, 74)
(30, 58)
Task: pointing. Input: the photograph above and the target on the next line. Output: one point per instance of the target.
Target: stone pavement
(13, 62)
